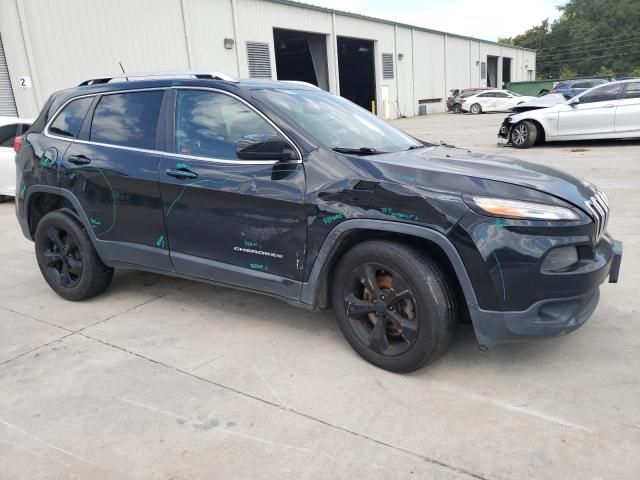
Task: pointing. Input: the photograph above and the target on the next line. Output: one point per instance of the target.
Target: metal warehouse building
(397, 69)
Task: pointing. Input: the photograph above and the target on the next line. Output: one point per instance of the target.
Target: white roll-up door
(7, 102)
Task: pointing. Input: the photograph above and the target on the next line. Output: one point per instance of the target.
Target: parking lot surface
(168, 379)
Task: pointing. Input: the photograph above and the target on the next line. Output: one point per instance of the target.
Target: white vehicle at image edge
(493, 101)
(605, 111)
(10, 127)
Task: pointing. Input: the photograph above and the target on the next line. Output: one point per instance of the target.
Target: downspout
(397, 72)
(336, 66)
(234, 18)
(413, 74)
(445, 66)
(186, 36)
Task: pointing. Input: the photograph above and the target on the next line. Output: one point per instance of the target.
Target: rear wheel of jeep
(67, 259)
(475, 108)
(523, 134)
(393, 304)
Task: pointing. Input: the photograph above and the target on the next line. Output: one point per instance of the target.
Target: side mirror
(268, 149)
(574, 101)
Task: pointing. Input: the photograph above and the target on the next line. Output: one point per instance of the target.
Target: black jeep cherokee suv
(283, 189)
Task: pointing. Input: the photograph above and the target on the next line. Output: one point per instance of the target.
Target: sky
(486, 19)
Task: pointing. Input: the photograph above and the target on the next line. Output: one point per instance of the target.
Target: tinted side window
(602, 94)
(633, 90)
(485, 95)
(69, 120)
(582, 85)
(210, 124)
(127, 119)
(501, 95)
(7, 134)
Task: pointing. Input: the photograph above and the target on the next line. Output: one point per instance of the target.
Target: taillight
(17, 143)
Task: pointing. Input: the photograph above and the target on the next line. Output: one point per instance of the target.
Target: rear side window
(69, 120)
(210, 124)
(7, 134)
(633, 90)
(127, 119)
(607, 93)
(582, 85)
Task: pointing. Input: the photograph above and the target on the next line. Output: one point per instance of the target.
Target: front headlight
(503, 207)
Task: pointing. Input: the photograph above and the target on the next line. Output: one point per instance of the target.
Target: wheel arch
(315, 291)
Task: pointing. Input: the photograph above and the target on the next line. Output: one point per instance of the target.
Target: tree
(590, 36)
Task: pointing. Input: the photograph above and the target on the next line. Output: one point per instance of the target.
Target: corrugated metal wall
(7, 103)
(58, 43)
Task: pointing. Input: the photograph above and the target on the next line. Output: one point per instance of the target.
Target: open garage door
(7, 102)
(357, 70)
(492, 71)
(301, 56)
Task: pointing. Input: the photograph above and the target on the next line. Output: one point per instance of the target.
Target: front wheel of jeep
(67, 259)
(393, 304)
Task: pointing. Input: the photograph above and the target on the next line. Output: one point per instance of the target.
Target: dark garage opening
(301, 56)
(357, 70)
(506, 70)
(492, 71)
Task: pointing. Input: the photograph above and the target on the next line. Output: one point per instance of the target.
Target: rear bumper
(546, 318)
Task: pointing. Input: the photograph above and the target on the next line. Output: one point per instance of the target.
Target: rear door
(487, 101)
(231, 220)
(594, 115)
(628, 111)
(503, 101)
(112, 169)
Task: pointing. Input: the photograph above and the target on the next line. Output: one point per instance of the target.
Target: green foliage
(635, 72)
(505, 41)
(591, 37)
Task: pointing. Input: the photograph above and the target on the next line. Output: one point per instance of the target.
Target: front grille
(598, 206)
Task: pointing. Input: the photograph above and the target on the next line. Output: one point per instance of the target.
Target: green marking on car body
(500, 224)
(251, 244)
(182, 165)
(258, 266)
(95, 222)
(23, 190)
(407, 178)
(333, 218)
(396, 214)
(161, 242)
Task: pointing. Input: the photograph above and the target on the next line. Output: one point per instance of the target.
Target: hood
(457, 161)
(541, 102)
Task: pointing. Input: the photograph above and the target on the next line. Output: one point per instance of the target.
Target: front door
(594, 115)
(628, 111)
(112, 168)
(231, 220)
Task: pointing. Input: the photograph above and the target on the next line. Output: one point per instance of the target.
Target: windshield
(336, 123)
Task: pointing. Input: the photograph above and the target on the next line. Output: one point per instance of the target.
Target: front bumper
(546, 318)
(505, 129)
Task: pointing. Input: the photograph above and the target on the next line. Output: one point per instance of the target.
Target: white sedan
(493, 101)
(10, 127)
(605, 111)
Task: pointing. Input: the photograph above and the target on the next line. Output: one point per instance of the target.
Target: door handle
(79, 159)
(610, 105)
(180, 173)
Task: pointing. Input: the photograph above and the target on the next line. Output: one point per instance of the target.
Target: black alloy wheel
(382, 308)
(63, 257)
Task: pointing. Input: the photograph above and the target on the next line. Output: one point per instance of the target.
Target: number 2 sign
(25, 82)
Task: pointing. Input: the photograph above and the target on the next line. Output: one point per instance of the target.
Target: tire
(413, 329)
(523, 134)
(4, 198)
(475, 109)
(67, 259)
(457, 108)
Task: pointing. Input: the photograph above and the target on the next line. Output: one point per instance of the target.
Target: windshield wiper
(357, 151)
(414, 147)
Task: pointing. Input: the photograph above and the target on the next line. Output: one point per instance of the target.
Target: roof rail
(194, 73)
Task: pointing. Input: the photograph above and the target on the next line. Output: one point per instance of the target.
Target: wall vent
(387, 66)
(259, 60)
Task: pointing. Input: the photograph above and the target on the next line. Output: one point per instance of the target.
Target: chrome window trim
(46, 132)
